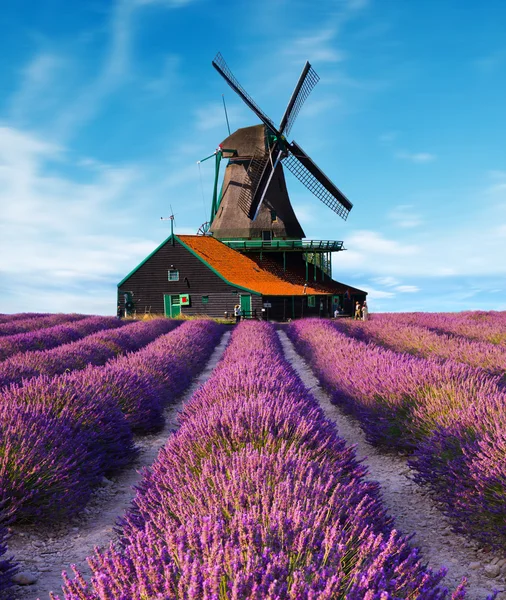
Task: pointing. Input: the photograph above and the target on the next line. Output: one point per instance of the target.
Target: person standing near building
(237, 313)
(365, 311)
(358, 312)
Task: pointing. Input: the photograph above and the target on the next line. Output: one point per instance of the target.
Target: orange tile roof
(240, 270)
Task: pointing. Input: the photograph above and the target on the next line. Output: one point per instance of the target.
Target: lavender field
(415, 390)
(255, 495)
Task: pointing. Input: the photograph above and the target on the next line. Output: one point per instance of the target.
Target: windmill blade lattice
(221, 66)
(258, 171)
(299, 163)
(307, 80)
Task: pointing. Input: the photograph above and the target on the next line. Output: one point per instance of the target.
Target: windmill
(254, 201)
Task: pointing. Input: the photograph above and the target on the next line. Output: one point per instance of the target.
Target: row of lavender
(87, 419)
(112, 338)
(450, 416)
(256, 496)
(477, 325)
(10, 318)
(56, 335)
(403, 335)
(31, 322)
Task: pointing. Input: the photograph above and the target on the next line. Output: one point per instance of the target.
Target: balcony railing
(285, 245)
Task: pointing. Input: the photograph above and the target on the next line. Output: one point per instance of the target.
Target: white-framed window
(173, 275)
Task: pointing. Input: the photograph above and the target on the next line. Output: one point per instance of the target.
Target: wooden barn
(200, 275)
(253, 251)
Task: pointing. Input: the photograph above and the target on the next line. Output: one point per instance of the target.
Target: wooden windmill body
(276, 217)
(254, 203)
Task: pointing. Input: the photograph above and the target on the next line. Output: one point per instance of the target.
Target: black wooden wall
(149, 283)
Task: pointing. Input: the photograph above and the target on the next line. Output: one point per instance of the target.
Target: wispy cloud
(490, 63)
(386, 281)
(318, 47)
(168, 77)
(39, 87)
(315, 108)
(374, 241)
(375, 294)
(388, 137)
(212, 116)
(416, 157)
(111, 75)
(52, 224)
(164, 3)
(405, 217)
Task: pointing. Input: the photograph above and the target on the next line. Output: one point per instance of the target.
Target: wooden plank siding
(149, 283)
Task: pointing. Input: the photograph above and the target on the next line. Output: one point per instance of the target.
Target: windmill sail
(307, 80)
(254, 196)
(221, 66)
(299, 163)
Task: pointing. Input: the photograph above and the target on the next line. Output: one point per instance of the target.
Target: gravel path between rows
(44, 552)
(411, 506)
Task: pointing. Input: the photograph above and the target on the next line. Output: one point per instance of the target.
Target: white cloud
(416, 157)
(318, 107)
(374, 242)
(57, 230)
(407, 289)
(39, 86)
(305, 214)
(388, 137)
(318, 48)
(404, 216)
(212, 116)
(386, 281)
(168, 78)
(492, 62)
(164, 3)
(497, 174)
(373, 294)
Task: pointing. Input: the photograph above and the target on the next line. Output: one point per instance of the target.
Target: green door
(246, 306)
(171, 305)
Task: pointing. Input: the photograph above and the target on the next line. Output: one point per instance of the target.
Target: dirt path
(45, 552)
(411, 505)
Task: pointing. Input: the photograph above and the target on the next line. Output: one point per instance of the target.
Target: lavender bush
(169, 364)
(32, 323)
(86, 432)
(47, 466)
(476, 325)
(95, 349)
(450, 416)
(387, 331)
(50, 337)
(4, 318)
(256, 496)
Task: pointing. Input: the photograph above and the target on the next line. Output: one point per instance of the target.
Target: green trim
(145, 260)
(239, 287)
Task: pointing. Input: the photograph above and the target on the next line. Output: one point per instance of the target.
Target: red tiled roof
(240, 270)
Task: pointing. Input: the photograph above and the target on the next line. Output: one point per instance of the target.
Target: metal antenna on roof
(172, 222)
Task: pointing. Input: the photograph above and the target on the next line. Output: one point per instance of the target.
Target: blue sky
(106, 107)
